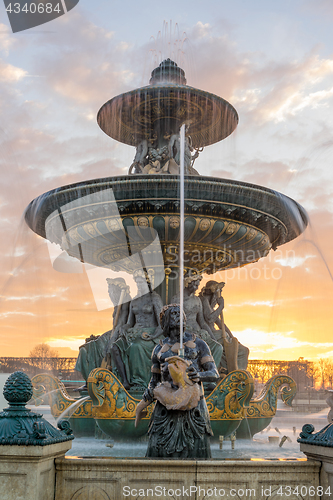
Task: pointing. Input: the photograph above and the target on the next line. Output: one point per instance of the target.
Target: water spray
(181, 243)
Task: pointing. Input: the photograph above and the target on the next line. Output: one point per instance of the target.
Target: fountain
(131, 224)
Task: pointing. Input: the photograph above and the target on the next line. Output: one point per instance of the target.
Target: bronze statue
(139, 161)
(173, 163)
(163, 156)
(91, 353)
(180, 425)
(174, 150)
(119, 294)
(131, 350)
(195, 321)
(235, 355)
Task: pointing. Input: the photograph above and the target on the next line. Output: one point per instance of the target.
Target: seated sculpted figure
(180, 425)
(140, 158)
(172, 166)
(213, 305)
(131, 351)
(195, 321)
(93, 351)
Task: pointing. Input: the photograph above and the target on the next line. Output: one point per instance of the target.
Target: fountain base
(171, 479)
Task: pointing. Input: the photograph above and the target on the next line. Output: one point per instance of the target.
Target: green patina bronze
(324, 437)
(19, 425)
(113, 408)
(263, 408)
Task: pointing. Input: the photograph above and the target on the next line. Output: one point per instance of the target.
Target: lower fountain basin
(114, 409)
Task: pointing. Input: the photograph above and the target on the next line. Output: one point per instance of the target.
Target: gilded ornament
(174, 222)
(265, 404)
(204, 224)
(109, 397)
(232, 228)
(106, 257)
(89, 229)
(251, 234)
(229, 397)
(51, 389)
(143, 222)
(112, 224)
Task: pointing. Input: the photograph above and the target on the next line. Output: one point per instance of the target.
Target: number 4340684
(33, 8)
(287, 491)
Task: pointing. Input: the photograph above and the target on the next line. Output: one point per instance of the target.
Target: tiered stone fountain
(131, 223)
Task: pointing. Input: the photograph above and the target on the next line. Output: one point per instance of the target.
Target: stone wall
(28, 472)
(119, 479)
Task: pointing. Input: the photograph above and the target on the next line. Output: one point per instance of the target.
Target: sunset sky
(273, 61)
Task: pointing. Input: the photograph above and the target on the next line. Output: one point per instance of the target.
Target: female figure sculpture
(93, 351)
(237, 356)
(174, 153)
(211, 297)
(195, 320)
(184, 430)
(131, 350)
(140, 157)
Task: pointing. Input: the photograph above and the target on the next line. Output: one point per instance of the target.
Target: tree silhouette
(43, 351)
(325, 369)
(43, 356)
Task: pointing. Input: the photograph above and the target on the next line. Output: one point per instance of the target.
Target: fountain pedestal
(28, 472)
(29, 446)
(324, 456)
(318, 446)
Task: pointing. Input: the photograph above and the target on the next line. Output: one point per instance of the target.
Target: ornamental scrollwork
(50, 390)
(109, 397)
(266, 403)
(230, 396)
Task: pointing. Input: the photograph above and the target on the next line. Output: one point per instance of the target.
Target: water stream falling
(181, 237)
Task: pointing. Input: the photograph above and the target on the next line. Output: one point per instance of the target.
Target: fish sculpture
(180, 394)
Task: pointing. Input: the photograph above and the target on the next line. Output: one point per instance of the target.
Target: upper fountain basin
(148, 112)
(157, 111)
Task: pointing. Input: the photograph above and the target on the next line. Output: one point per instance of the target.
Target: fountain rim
(104, 181)
(158, 88)
(43, 205)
